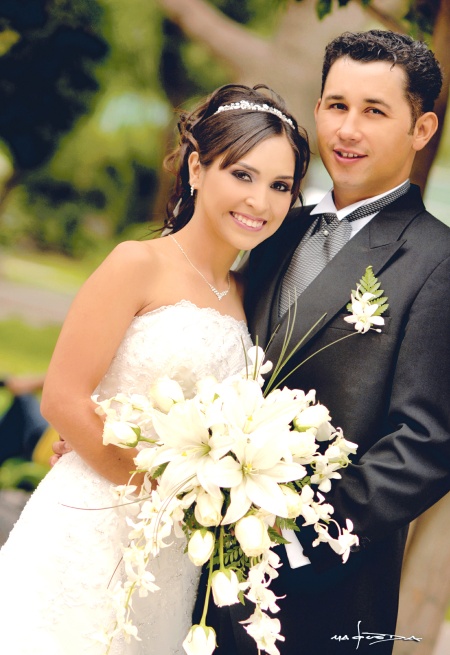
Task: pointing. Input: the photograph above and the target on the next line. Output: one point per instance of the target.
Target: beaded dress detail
(57, 564)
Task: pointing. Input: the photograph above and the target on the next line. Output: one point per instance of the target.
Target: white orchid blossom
(343, 543)
(265, 631)
(324, 472)
(363, 312)
(258, 581)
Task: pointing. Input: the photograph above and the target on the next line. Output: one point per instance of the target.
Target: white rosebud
(311, 417)
(145, 458)
(206, 389)
(294, 502)
(303, 445)
(120, 433)
(252, 535)
(165, 393)
(225, 587)
(201, 640)
(208, 509)
(200, 546)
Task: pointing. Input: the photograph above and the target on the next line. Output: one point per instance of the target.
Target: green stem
(147, 440)
(281, 361)
(315, 353)
(221, 534)
(208, 593)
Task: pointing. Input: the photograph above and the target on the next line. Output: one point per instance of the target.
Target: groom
(388, 391)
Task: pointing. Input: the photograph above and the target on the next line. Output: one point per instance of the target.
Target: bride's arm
(91, 334)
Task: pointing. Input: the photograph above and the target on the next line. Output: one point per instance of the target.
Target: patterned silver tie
(322, 241)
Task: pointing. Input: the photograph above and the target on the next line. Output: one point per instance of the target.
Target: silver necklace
(219, 294)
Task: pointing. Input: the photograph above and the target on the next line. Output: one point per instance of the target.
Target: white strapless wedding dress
(57, 563)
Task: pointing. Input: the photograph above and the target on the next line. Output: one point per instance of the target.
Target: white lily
(192, 454)
(261, 470)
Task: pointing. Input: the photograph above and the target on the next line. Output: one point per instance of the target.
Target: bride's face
(246, 202)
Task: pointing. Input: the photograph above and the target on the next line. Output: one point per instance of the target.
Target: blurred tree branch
(248, 54)
(227, 39)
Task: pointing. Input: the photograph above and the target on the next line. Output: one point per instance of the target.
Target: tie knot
(327, 223)
(329, 218)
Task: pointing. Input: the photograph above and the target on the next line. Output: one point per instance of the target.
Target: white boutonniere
(367, 304)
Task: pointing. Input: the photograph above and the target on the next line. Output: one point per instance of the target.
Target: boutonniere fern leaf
(369, 284)
(367, 304)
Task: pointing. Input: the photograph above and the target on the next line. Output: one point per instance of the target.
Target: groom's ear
(195, 168)
(316, 108)
(425, 127)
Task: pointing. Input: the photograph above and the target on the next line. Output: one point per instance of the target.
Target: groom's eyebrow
(370, 101)
(255, 170)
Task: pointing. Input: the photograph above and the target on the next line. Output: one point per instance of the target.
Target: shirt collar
(326, 205)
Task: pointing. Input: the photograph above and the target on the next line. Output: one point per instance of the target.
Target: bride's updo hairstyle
(229, 133)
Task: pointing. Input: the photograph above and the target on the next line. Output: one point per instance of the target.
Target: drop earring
(192, 190)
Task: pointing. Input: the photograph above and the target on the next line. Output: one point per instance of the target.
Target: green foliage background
(101, 174)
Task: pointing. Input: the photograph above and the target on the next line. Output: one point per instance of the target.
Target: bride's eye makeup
(244, 176)
(282, 186)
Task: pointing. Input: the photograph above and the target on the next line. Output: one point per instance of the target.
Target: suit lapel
(329, 293)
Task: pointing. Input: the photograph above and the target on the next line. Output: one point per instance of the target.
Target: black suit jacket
(388, 392)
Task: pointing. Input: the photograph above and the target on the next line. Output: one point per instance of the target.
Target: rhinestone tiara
(250, 106)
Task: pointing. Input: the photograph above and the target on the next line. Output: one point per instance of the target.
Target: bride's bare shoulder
(138, 253)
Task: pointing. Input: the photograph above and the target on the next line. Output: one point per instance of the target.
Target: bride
(167, 306)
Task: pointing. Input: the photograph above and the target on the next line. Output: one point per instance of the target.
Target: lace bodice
(58, 565)
(182, 341)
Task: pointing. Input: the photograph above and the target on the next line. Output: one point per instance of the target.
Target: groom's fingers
(59, 448)
(54, 459)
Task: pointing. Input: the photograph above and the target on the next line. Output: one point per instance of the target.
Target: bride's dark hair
(231, 134)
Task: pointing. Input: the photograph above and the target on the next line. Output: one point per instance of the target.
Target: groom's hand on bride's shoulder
(59, 448)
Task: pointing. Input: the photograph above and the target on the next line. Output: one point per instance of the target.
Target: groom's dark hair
(422, 70)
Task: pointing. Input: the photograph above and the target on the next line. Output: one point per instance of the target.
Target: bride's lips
(248, 222)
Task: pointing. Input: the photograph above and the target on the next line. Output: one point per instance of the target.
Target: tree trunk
(425, 586)
(441, 40)
(8, 186)
(289, 62)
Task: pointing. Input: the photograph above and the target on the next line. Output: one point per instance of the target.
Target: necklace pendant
(219, 294)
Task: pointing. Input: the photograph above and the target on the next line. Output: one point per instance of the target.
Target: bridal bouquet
(234, 466)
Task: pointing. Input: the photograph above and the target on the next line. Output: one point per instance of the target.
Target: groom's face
(364, 129)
